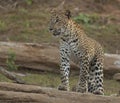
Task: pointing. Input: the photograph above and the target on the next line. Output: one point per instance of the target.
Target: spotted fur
(75, 45)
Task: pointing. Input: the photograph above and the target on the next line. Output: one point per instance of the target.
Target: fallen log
(11, 76)
(111, 65)
(117, 77)
(45, 57)
(30, 93)
(31, 56)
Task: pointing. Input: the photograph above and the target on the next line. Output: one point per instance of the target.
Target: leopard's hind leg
(95, 84)
(83, 77)
(91, 80)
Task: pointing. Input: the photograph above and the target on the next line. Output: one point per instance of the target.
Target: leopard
(84, 51)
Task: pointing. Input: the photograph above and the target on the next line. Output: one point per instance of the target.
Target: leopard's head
(58, 21)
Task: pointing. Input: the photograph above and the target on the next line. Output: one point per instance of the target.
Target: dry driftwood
(29, 93)
(45, 57)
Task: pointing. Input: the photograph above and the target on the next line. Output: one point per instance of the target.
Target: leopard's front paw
(81, 90)
(63, 87)
(98, 92)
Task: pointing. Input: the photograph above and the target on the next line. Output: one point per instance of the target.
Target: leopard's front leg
(64, 67)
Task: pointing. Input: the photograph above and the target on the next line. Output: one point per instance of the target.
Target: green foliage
(87, 18)
(2, 25)
(11, 61)
(82, 18)
(23, 12)
(27, 24)
(29, 2)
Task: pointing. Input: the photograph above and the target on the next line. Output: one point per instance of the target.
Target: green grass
(111, 86)
(45, 79)
(4, 79)
(53, 80)
(3, 26)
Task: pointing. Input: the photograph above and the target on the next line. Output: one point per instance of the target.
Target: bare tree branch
(10, 76)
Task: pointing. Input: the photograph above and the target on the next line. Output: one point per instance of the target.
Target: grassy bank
(31, 25)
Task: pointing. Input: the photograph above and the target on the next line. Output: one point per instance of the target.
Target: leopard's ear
(68, 14)
(52, 10)
(61, 6)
